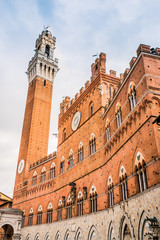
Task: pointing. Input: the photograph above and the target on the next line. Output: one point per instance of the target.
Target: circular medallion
(21, 166)
(76, 120)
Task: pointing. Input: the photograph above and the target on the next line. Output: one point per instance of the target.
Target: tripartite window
(80, 152)
(141, 172)
(132, 95)
(52, 172)
(110, 192)
(39, 218)
(93, 202)
(69, 211)
(30, 220)
(119, 119)
(124, 189)
(142, 178)
(43, 175)
(70, 161)
(108, 134)
(34, 180)
(80, 208)
(123, 182)
(49, 216)
(59, 214)
(92, 144)
(62, 167)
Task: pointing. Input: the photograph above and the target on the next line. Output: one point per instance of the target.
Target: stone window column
(140, 181)
(144, 179)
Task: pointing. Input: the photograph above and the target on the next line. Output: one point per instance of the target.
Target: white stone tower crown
(43, 64)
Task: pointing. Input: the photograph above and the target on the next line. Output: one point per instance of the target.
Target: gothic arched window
(52, 171)
(91, 109)
(132, 95)
(93, 199)
(80, 152)
(123, 181)
(141, 172)
(34, 178)
(108, 131)
(118, 115)
(110, 192)
(43, 175)
(92, 144)
(39, 215)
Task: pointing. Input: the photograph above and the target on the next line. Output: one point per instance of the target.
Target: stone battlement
(98, 67)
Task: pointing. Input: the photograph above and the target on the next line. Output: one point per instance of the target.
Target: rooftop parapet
(112, 73)
(99, 66)
(65, 104)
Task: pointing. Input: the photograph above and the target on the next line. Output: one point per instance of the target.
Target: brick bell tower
(35, 134)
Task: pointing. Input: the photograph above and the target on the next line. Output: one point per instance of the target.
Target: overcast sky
(82, 28)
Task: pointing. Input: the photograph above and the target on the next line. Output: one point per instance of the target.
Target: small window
(92, 146)
(23, 218)
(43, 175)
(91, 109)
(52, 173)
(59, 214)
(69, 211)
(111, 197)
(124, 189)
(39, 218)
(49, 216)
(80, 208)
(47, 50)
(108, 134)
(64, 134)
(142, 178)
(44, 82)
(62, 167)
(93, 202)
(34, 180)
(132, 100)
(30, 220)
(119, 119)
(80, 154)
(70, 161)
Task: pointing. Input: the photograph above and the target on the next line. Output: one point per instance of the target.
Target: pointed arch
(111, 232)
(50, 207)
(47, 237)
(28, 237)
(93, 233)
(40, 208)
(126, 228)
(35, 174)
(79, 234)
(57, 237)
(37, 237)
(67, 235)
(93, 189)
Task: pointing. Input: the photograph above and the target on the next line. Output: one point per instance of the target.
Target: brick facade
(107, 158)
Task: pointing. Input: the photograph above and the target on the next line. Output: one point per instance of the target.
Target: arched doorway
(6, 232)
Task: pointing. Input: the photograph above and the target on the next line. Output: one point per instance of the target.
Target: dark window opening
(44, 82)
(47, 50)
